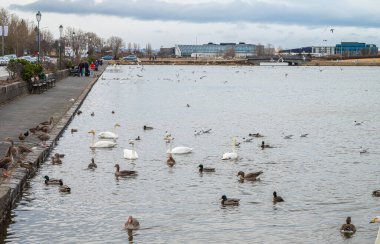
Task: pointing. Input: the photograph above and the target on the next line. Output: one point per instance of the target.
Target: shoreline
(11, 188)
(316, 63)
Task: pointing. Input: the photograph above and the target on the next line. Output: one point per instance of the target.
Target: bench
(74, 72)
(36, 85)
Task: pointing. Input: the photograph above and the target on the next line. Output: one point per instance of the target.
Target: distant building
(316, 51)
(355, 49)
(344, 49)
(166, 52)
(209, 50)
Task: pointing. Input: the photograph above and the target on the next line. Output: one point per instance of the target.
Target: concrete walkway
(60, 102)
(28, 111)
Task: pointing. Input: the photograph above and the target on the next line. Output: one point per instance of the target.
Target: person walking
(92, 69)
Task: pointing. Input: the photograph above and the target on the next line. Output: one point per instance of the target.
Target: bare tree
(149, 49)
(260, 50)
(115, 44)
(129, 48)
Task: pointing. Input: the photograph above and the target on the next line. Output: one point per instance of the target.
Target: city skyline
(286, 24)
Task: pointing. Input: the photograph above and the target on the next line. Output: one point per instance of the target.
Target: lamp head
(38, 16)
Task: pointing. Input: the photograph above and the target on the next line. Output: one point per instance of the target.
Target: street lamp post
(59, 45)
(38, 17)
(72, 45)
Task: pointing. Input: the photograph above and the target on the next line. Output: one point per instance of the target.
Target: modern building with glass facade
(313, 50)
(215, 50)
(344, 49)
(355, 49)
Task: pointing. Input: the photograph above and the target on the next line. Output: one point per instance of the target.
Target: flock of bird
(107, 139)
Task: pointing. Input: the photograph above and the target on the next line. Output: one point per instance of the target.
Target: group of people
(87, 69)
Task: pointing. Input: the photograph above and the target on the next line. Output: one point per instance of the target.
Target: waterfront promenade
(24, 112)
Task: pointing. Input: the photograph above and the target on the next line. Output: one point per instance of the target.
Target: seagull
(304, 135)
(206, 131)
(197, 133)
(332, 30)
(288, 137)
(358, 123)
(203, 76)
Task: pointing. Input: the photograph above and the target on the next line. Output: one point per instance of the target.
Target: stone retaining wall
(11, 91)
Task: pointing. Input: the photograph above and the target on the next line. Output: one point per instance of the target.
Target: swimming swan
(179, 150)
(100, 144)
(233, 154)
(109, 134)
(377, 220)
(131, 154)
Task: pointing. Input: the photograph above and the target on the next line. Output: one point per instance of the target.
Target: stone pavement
(28, 111)
(60, 102)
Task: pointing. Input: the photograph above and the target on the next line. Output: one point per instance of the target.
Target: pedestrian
(92, 69)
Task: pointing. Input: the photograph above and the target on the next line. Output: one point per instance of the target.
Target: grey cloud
(294, 12)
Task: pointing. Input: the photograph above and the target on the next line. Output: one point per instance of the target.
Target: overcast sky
(284, 23)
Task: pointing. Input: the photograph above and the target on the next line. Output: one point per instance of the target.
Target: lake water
(323, 177)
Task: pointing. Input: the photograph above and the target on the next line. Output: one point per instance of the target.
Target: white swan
(377, 220)
(178, 150)
(109, 134)
(131, 154)
(233, 154)
(100, 143)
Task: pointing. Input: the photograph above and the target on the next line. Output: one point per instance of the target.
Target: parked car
(46, 59)
(132, 58)
(11, 56)
(29, 58)
(4, 60)
(108, 57)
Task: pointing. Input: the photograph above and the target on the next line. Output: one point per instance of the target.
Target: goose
(6, 162)
(249, 176)
(233, 154)
(79, 112)
(92, 165)
(124, 172)
(28, 165)
(229, 201)
(132, 224)
(92, 114)
(109, 134)
(64, 188)
(204, 169)
(304, 135)
(56, 160)
(74, 130)
(59, 155)
(24, 149)
(21, 137)
(43, 138)
(178, 150)
(348, 228)
(206, 131)
(376, 193)
(100, 144)
(170, 161)
(376, 220)
(131, 154)
(49, 181)
(49, 122)
(26, 134)
(277, 198)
